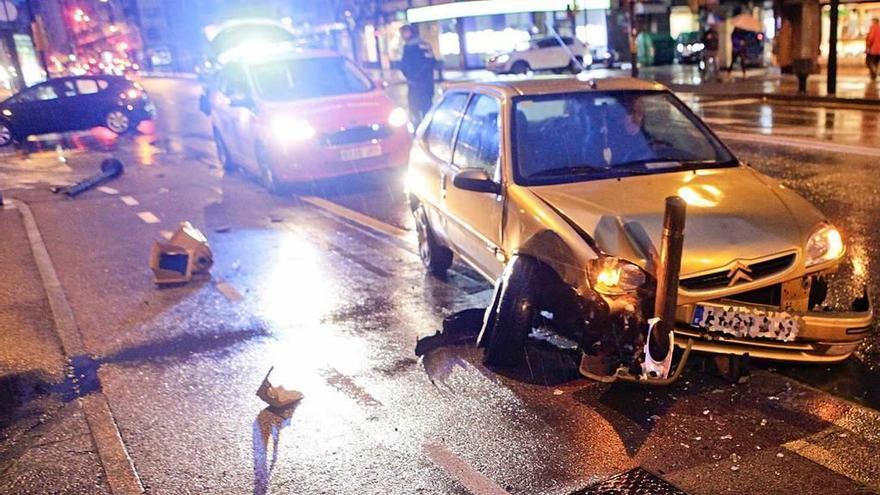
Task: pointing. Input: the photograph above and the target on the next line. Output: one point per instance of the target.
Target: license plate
(361, 152)
(745, 322)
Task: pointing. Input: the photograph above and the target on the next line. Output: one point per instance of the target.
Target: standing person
(872, 48)
(739, 50)
(417, 64)
(709, 61)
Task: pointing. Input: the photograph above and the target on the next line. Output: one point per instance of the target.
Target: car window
(442, 127)
(579, 136)
(67, 88)
(87, 86)
(548, 43)
(477, 144)
(236, 82)
(41, 92)
(286, 80)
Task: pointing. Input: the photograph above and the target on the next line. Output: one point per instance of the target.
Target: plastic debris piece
(780, 454)
(185, 254)
(654, 417)
(222, 229)
(727, 437)
(706, 412)
(734, 468)
(275, 394)
(763, 422)
(558, 392)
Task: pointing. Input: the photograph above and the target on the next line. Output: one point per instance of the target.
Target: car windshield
(690, 37)
(308, 78)
(580, 136)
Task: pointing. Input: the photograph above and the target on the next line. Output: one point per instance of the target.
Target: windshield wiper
(575, 170)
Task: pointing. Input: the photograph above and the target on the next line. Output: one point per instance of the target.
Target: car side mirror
(242, 101)
(476, 180)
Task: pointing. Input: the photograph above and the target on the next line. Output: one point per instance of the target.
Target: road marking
(129, 201)
(355, 216)
(167, 234)
(107, 190)
(799, 143)
(347, 385)
(117, 465)
(834, 461)
(725, 103)
(228, 290)
(473, 481)
(148, 217)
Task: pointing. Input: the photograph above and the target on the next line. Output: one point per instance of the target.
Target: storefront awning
(454, 10)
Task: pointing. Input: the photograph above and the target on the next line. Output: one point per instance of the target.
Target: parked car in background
(554, 189)
(754, 46)
(689, 47)
(303, 114)
(544, 54)
(73, 104)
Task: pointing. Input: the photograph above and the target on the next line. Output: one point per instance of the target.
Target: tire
(575, 67)
(223, 153)
(490, 316)
(436, 258)
(267, 174)
(6, 134)
(518, 309)
(118, 122)
(520, 67)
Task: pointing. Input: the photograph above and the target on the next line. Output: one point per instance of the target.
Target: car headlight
(287, 128)
(825, 244)
(502, 59)
(679, 47)
(398, 117)
(613, 276)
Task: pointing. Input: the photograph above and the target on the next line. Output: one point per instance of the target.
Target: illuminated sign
(474, 8)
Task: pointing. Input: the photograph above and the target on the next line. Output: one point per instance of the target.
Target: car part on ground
(185, 255)
(111, 168)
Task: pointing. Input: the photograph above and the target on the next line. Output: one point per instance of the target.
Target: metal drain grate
(633, 482)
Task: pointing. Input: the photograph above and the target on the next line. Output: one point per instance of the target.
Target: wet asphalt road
(338, 307)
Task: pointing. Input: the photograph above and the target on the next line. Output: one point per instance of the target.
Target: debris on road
(111, 168)
(222, 229)
(184, 255)
(458, 328)
(275, 394)
(228, 291)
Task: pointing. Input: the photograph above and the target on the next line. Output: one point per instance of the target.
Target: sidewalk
(853, 84)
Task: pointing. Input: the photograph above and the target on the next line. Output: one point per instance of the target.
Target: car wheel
(518, 310)
(490, 316)
(267, 173)
(575, 65)
(520, 67)
(436, 258)
(118, 122)
(5, 134)
(223, 153)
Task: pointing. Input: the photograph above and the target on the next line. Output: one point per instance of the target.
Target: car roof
(283, 54)
(543, 85)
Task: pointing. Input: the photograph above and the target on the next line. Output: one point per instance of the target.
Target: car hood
(336, 112)
(732, 214)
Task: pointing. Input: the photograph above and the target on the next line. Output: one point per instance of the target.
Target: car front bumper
(314, 160)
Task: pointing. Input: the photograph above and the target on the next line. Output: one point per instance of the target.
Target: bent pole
(668, 270)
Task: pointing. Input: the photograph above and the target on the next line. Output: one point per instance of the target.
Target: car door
(34, 110)
(474, 218)
(550, 54)
(226, 110)
(92, 101)
(430, 165)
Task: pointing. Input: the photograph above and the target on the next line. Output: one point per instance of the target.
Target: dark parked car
(72, 104)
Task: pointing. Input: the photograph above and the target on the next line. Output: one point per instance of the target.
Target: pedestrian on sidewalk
(417, 64)
(872, 48)
(739, 51)
(709, 55)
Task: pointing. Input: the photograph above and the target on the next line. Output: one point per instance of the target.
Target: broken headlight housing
(612, 276)
(825, 244)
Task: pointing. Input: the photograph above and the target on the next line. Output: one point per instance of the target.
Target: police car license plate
(744, 322)
(361, 152)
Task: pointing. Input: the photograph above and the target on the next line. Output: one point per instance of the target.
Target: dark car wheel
(518, 310)
(5, 134)
(267, 173)
(117, 121)
(436, 258)
(223, 153)
(520, 67)
(575, 65)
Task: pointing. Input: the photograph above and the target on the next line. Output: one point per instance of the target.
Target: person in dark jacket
(417, 64)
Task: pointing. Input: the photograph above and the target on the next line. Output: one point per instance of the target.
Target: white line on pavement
(130, 201)
(118, 467)
(148, 217)
(474, 481)
(815, 145)
(355, 216)
(107, 190)
(228, 290)
(726, 103)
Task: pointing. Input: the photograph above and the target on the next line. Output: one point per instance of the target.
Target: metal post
(667, 273)
(633, 50)
(832, 48)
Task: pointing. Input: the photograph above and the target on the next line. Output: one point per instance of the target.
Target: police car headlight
(398, 117)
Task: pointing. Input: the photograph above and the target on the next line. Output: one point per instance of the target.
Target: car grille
(767, 296)
(357, 135)
(719, 280)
